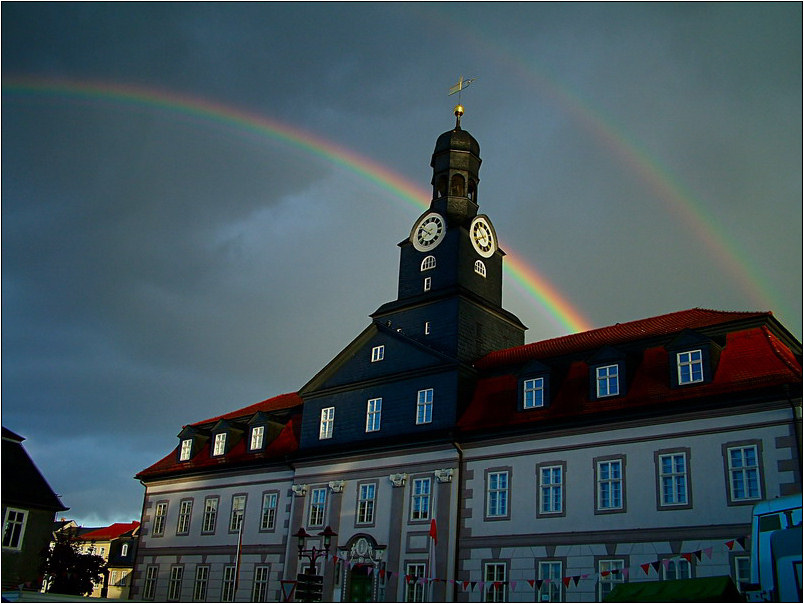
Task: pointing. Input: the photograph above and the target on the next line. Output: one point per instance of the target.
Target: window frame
(620, 563)
(414, 590)
(256, 438)
(237, 515)
(424, 406)
(366, 507)
(160, 518)
(186, 449)
(480, 268)
(326, 427)
(417, 498)
(175, 580)
(378, 353)
(228, 583)
(491, 592)
(601, 379)
(555, 581)
(259, 589)
(691, 364)
(676, 562)
(373, 414)
(210, 516)
(755, 444)
(428, 284)
(149, 581)
(428, 263)
(271, 509)
(599, 481)
(552, 486)
(538, 386)
(506, 491)
(219, 444)
(661, 502)
(201, 583)
(317, 507)
(185, 517)
(17, 537)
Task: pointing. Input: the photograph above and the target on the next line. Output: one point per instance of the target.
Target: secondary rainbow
(535, 284)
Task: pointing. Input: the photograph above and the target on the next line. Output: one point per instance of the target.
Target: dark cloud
(160, 267)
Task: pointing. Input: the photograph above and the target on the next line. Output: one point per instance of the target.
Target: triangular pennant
(645, 568)
(575, 579)
(370, 570)
(730, 544)
(666, 563)
(531, 582)
(626, 573)
(566, 581)
(465, 585)
(615, 571)
(513, 585)
(698, 554)
(687, 557)
(474, 584)
(605, 573)
(656, 565)
(741, 541)
(708, 552)
(539, 583)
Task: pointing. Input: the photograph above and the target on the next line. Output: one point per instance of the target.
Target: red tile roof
(110, 532)
(752, 358)
(285, 443)
(620, 333)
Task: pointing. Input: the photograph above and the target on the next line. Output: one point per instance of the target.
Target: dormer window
(220, 444)
(533, 393)
(186, 449)
(257, 435)
(428, 263)
(608, 380)
(377, 353)
(480, 268)
(690, 367)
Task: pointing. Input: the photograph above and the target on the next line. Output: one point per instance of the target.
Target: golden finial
(458, 88)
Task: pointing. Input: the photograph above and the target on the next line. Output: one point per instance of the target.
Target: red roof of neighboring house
(620, 333)
(752, 358)
(107, 533)
(285, 443)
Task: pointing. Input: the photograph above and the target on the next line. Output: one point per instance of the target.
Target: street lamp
(313, 553)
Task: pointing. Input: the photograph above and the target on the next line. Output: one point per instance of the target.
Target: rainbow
(532, 282)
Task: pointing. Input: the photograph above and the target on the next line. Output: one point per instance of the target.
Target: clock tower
(450, 268)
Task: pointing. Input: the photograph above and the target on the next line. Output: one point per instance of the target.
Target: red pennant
(566, 581)
(687, 557)
(531, 582)
(645, 568)
(730, 544)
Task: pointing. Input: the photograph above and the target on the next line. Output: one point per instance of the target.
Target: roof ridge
(779, 350)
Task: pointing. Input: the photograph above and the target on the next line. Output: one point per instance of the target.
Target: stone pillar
(396, 541)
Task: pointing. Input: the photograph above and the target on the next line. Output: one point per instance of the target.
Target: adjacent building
(29, 507)
(454, 462)
(117, 545)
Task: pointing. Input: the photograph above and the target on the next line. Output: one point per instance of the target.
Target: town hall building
(440, 458)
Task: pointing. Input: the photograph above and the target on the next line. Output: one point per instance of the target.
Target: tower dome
(456, 164)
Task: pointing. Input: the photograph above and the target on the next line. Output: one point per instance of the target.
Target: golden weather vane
(458, 88)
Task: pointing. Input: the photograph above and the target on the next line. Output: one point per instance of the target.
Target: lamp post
(309, 585)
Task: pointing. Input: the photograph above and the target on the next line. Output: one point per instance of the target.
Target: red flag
(433, 532)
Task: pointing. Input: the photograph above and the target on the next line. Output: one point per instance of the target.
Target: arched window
(480, 268)
(441, 187)
(428, 263)
(458, 185)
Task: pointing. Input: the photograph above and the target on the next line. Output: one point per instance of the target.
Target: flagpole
(237, 558)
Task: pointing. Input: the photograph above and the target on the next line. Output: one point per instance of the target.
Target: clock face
(482, 236)
(429, 232)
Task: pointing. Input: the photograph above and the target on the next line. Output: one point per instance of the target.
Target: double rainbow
(536, 285)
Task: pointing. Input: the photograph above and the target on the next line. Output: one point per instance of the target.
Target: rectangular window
(427, 328)
(497, 494)
(677, 568)
(14, 528)
(268, 516)
(420, 499)
(327, 423)
(608, 381)
(377, 353)
(238, 511)
(227, 586)
(318, 504)
(742, 571)
(610, 576)
(257, 434)
(551, 490)
(185, 513)
(424, 406)
(744, 473)
(220, 444)
(210, 515)
(174, 583)
(496, 589)
(186, 449)
(610, 485)
(552, 587)
(533, 393)
(365, 503)
(416, 591)
(149, 586)
(259, 593)
(690, 367)
(373, 414)
(427, 283)
(200, 585)
(159, 518)
(673, 479)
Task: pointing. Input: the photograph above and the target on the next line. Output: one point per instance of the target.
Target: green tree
(72, 572)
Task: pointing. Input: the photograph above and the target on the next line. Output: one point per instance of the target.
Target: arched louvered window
(428, 263)
(480, 268)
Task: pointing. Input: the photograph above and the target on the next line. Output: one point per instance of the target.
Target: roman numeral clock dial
(428, 232)
(482, 235)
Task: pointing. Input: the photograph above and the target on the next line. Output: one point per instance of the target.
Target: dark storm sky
(159, 267)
